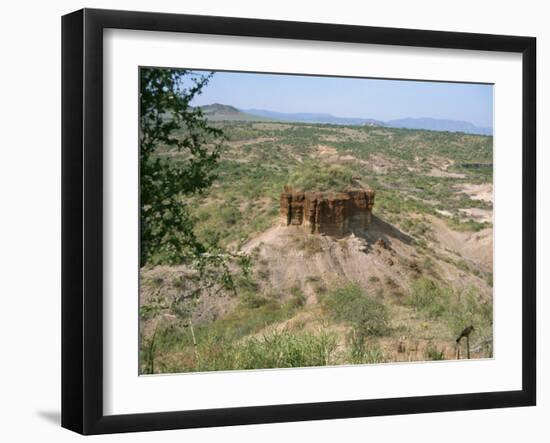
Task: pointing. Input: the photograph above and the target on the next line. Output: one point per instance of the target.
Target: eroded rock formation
(330, 213)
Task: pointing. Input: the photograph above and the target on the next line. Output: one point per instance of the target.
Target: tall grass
(273, 350)
(276, 349)
(362, 350)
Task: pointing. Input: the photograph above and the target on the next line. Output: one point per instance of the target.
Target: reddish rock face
(330, 213)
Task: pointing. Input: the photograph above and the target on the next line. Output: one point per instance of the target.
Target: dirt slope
(288, 257)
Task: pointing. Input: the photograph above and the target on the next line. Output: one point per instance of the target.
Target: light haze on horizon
(351, 97)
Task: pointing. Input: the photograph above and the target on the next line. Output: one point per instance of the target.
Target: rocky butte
(329, 213)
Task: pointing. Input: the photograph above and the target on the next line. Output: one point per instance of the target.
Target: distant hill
(309, 117)
(430, 124)
(434, 124)
(221, 112)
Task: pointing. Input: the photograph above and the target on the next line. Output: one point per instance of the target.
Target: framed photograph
(269, 221)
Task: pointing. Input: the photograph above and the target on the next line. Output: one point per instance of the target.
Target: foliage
(429, 298)
(286, 350)
(457, 309)
(298, 298)
(351, 304)
(367, 316)
(433, 353)
(469, 309)
(224, 343)
(271, 350)
(167, 121)
(467, 225)
(311, 176)
(363, 350)
(250, 299)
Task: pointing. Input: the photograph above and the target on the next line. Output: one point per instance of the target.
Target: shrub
(490, 279)
(252, 300)
(298, 298)
(350, 304)
(432, 353)
(427, 297)
(311, 176)
(147, 311)
(390, 282)
(246, 283)
(456, 309)
(467, 225)
(470, 309)
(362, 351)
(263, 273)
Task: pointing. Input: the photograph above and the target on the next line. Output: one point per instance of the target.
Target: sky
(351, 97)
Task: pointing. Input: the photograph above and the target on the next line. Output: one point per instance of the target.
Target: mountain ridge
(223, 112)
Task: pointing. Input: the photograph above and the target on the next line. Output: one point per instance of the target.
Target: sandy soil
(440, 173)
(477, 191)
(381, 164)
(479, 215)
(474, 246)
(444, 213)
(295, 259)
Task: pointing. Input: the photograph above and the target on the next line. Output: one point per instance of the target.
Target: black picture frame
(82, 218)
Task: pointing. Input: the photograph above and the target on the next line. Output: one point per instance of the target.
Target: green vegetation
(273, 350)
(367, 316)
(456, 309)
(236, 341)
(310, 176)
(363, 351)
(429, 298)
(245, 338)
(470, 309)
(433, 353)
(349, 303)
(467, 225)
(222, 336)
(167, 119)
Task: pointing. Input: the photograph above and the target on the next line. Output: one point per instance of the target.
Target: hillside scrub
(429, 298)
(457, 309)
(311, 176)
(217, 340)
(351, 304)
